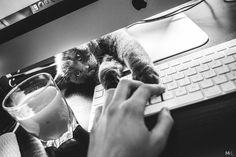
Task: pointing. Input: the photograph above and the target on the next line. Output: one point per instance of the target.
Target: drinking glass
(40, 108)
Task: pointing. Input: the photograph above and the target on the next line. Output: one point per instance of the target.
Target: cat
(102, 61)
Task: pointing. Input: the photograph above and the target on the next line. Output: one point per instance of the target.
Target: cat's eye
(78, 57)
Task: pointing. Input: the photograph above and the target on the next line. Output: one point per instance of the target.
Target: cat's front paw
(109, 78)
(147, 75)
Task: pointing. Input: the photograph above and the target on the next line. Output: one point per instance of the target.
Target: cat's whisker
(63, 78)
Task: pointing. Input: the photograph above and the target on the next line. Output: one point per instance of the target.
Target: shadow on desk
(205, 129)
(32, 147)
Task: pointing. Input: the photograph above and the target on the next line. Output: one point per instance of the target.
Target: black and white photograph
(118, 78)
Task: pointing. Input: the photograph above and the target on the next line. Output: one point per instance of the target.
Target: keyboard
(192, 78)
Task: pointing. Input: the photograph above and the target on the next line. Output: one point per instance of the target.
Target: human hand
(121, 132)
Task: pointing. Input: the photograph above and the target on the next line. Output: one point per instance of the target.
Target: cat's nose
(87, 67)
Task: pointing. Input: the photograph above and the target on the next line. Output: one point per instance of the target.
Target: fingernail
(163, 89)
(165, 109)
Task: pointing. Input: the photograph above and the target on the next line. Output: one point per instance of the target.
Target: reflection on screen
(26, 12)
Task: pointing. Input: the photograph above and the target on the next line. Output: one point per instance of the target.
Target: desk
(209, 128)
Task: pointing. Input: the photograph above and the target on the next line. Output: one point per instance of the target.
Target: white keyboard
(189, 79)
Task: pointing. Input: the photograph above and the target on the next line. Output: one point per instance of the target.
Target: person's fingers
(99, 110)
(125, 89)
(161, 131)
(143, 94)
(97, 115)
(108, 97)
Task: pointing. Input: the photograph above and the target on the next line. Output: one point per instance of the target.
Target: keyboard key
(231, 51)
(155, 99)
(193, 87)
(99, 101)
(215, 64)
(184, 82)
(218, 55)
(190, 72)
(234, 56)
(175, 62)
(202, 68)
(99, 87)
(167, 79)
(182, 67)
(178, 76)
(175, 103)
(221, 47)
(194, 64)
(208, 52)
(220, 79)
(227, 60)
(129, 77)
(206, 83)
(171, 86)
(163, 66)
(231, 75)
(222, 70)
(206, 60)
(196, 78)
(161, 73)
(228, 86)
(212, 91)
(98, 94)
(230, 43)
(186, 59)
(170, 71)
(180, 91)
(232, 66)
(196, 56)
(168, 95)
(209, 74)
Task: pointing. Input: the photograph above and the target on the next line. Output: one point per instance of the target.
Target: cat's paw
(148, 75)
(109, 78)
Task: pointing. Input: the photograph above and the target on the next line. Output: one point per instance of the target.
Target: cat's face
(78, 64)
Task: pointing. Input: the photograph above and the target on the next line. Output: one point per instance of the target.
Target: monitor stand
(165, 38)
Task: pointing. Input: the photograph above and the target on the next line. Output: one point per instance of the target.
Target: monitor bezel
(43, 17)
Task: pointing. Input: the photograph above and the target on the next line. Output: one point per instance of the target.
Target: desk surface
(209, 128)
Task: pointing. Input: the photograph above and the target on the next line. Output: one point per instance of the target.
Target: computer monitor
(13, 11)
(34, 51)
(75, 28)
(9, 7)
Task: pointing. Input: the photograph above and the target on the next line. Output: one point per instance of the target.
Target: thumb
(163, 127)
(100, 109)
(97, 114)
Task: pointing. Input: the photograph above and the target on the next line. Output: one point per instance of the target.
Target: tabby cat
(102, 61)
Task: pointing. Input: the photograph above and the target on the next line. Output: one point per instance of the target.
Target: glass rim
(12, 108)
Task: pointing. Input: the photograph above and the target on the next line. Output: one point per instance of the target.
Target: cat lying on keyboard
(102, 61)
